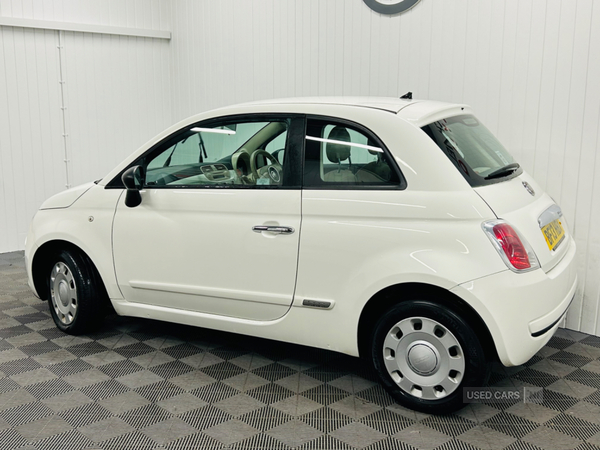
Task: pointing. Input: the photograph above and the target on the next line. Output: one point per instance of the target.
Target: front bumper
(522, 311)
(30, 249)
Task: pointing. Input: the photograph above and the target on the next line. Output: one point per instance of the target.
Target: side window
(243, 153)
(336, 154)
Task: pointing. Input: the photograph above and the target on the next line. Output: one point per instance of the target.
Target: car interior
(336, 154)
(239, 154)
(252, 154)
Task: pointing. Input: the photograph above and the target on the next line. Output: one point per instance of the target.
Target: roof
(415, 112)
(390, 104)
(419, 112)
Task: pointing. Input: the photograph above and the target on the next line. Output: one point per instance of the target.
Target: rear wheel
(76, 294)
(425, 355)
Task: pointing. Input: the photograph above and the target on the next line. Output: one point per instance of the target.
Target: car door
(350, 211)
(217, 230)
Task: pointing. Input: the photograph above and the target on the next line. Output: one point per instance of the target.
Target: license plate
(553, 233)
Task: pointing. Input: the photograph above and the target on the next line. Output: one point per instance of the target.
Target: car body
(313, 221)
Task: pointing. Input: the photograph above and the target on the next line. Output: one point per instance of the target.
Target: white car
(399, 230)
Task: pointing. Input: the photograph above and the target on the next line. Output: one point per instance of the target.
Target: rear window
(473, 149)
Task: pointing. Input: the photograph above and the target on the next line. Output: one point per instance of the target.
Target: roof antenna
(407, 96)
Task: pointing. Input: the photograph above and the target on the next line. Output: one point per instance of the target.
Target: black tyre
(425, 354)
(77, 297)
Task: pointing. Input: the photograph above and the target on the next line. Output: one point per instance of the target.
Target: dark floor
(140, 384)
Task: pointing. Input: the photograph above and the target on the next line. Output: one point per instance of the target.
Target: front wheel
(425, 355)
(77, 295)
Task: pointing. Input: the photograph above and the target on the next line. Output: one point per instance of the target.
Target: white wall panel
(116, 94)
(117, 98)
(528, 67)
(149, 14)
(31, 156)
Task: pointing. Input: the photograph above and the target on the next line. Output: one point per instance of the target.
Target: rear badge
(527, 186)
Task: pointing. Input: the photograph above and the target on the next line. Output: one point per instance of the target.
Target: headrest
(370, 143)
(338, 152)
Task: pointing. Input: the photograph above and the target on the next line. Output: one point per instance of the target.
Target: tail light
(513, 248)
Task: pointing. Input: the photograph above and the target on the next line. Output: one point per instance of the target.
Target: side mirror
(133, 179)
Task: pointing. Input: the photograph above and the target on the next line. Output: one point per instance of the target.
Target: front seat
(337, 153)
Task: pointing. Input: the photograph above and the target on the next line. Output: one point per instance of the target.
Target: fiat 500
(398, 230)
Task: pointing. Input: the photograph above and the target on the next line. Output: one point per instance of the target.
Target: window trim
(402, 184)
(293, 147)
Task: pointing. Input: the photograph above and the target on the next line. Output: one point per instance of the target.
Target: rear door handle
(272, 229)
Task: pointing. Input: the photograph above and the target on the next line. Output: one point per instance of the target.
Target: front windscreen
(473, 149)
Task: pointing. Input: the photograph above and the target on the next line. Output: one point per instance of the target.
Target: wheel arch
(392, 295)
(42, 259)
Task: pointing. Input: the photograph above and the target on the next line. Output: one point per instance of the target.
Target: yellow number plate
(553, 233)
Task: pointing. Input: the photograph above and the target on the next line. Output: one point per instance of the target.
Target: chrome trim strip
(316, 303)
(272, 229)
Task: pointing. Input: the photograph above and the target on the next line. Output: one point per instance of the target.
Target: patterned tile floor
(140, 384)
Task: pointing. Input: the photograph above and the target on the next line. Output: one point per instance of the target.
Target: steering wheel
(274, 171)
(240, 161)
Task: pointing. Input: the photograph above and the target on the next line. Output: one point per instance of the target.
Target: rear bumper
(522, 311)
(544, 324)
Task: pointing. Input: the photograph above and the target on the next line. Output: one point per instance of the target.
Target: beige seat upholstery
(376, 171)
(337, 153)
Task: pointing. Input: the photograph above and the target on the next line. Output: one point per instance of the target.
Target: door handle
(272, 229)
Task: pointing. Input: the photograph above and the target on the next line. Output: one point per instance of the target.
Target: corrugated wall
(116, 91)
(530, 68)
(31, 148)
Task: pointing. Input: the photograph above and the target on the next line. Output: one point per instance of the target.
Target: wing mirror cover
(133, 179)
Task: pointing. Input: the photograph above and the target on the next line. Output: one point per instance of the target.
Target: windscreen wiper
(168, 161)
(202, 149)
(503, 171)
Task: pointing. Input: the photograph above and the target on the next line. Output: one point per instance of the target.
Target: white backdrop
(530, 68)
(115, 90)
